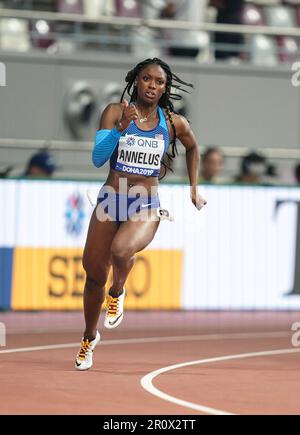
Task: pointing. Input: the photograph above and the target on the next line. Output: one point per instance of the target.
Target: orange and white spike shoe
(84, 358)
(114, 311)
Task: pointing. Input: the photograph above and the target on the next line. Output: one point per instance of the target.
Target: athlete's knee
(95, 272)
(93, 285)
(122, 252)
(95, 278)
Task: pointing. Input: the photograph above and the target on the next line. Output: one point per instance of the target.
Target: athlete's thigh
(96, 255)
(134, 236)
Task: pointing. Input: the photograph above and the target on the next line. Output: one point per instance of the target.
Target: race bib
(140, 155)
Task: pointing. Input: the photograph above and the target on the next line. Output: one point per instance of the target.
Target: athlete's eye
(145, 78)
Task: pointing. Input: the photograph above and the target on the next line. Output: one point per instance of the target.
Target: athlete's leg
(96, 262)
(132, 237)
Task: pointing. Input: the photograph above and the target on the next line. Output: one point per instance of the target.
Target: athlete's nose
(152, 85)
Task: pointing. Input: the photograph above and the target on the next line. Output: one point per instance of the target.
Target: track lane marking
(147, 380)
(201, 337)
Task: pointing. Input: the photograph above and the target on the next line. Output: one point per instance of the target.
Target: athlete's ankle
(89, 336)
(115, 293)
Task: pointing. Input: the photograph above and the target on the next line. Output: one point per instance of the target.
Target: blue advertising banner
(6, 262)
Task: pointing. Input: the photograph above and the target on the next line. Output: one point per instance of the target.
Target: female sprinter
(135, 136)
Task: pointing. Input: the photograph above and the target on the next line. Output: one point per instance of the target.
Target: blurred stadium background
(61, 62)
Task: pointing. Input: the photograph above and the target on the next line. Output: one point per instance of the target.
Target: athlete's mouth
(150, 94)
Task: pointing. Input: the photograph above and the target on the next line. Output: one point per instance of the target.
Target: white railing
(71, 146)
(151, 23)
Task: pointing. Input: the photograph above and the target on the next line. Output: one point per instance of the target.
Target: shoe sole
(82, 369)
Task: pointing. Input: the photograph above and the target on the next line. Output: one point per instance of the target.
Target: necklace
(145, 118)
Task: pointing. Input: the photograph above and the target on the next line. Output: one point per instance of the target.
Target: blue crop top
(139, 151)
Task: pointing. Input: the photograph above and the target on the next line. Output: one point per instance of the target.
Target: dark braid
(173, 81)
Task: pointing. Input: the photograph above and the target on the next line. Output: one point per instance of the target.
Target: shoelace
(85, 345)
(112, 305)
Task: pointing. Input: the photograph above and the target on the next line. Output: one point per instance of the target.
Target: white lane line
(202, 337)
(147, 380)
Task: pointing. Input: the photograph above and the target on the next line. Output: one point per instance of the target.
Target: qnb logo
(2, 74)
(296, 76)
(296, 335)
(130, 141)
(145, 142)
(2, 334)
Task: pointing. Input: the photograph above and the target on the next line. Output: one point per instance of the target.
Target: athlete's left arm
(188, 140)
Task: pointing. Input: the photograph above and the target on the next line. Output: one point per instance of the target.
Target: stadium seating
(143, 40)
(265, 2)
(94, 8)
(289, 49)
(283, 16)
(263, 50)
(291, 2)
(252, 15)
(69, 6)
(128, 8)
(40, 35)
(298, 15)
(280, 16)
(14, 34)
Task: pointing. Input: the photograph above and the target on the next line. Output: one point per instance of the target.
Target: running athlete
(136, 137)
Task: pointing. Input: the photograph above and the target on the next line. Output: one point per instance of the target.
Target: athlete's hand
(129, 114)
(197, 199)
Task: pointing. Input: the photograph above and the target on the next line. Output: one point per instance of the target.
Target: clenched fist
(129, 114)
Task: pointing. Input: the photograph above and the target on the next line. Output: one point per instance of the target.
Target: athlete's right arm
(115, 118)
(107, 137)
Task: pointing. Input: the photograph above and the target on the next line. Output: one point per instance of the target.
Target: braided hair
(173, 81)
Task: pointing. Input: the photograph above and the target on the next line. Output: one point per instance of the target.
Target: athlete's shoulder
(113, 108)
(181, 124)
(110, 115)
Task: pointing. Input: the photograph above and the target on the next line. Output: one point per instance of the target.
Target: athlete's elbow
(96, 161)
(192, 148)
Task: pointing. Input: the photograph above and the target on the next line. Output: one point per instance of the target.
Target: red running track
(36, 379)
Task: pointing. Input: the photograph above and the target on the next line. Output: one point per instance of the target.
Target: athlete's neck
(145, 107)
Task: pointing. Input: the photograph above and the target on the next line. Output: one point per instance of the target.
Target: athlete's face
(151, 84)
